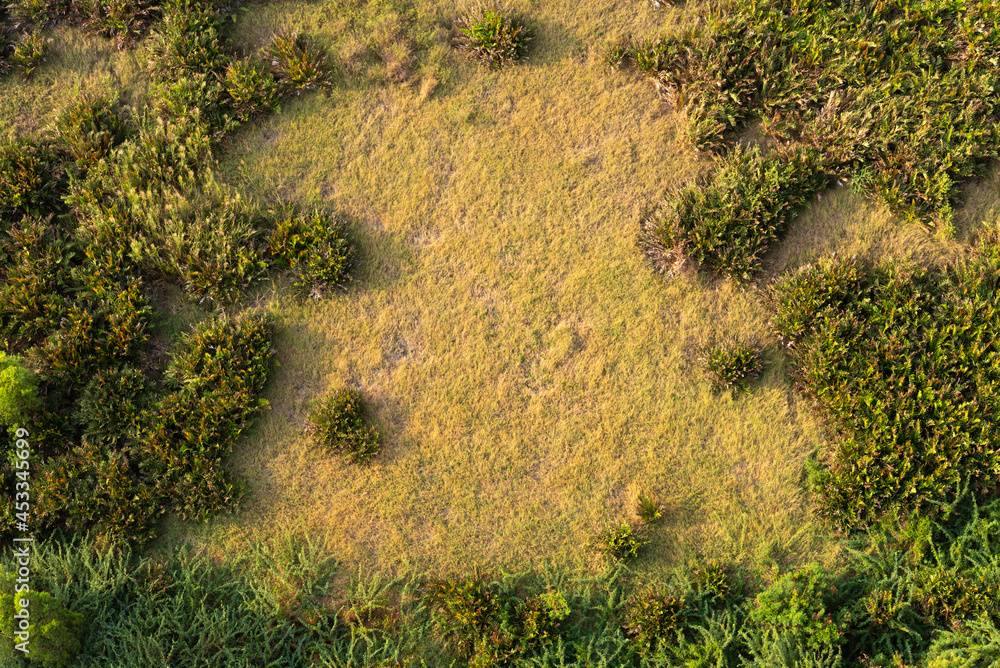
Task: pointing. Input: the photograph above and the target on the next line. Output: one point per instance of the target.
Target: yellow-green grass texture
(530, 373)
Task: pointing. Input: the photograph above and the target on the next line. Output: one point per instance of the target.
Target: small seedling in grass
(648, 509)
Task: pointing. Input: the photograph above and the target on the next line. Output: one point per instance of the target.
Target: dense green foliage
(903, 361)
(493, 35)
(727, 225)
(338, 423)
(53, 632)
(899, 97)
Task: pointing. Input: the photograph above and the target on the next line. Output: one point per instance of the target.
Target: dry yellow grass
(530, 373)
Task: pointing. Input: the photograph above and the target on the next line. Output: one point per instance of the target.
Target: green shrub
(895, 356)
(621, 542)
(30, 52)
(468, 609)
(91, 127)
(36, 285)
(714, 580)
(315, 247)
(732, 363)
(338, 423)
(226, 354)
(122, 21)
(32, 180)
(796, 606)
(54, 633)
(728, 225)
(653, 619)
(251, 88)
(493, 36)
(110, 405)
(18, 391)
(648, 509)
(297, 62)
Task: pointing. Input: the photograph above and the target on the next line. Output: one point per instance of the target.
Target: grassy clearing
(530, 374)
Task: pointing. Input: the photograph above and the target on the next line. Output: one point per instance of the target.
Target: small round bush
(652, 618)
(315, 247)
(732, 363)
(297, 62)
(338, 423)
(55, 632)
(621, 542)
(493, 36)
(91, 126)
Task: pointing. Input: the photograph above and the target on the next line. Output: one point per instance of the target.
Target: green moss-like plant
(18, 391)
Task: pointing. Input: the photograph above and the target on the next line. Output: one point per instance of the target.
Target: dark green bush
(32, 180)
(110, 405)
(654, 618)
(315, 247)
(36, 285)
(728, 225)
(493, 36)
(91, 127)
(897, 357)
(297, 62)
(338, 423)
(621, 542)
(731, 363)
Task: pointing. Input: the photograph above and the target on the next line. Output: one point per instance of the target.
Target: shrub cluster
(493, 35)
(902, 362)
(338, 423)
(297, 62)
(899, 98)
(489, 624)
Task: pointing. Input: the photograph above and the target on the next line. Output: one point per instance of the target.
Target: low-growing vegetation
(732, 363)
(339, 424)
(493, 35)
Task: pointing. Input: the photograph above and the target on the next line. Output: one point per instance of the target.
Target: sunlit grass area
(529, 371)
